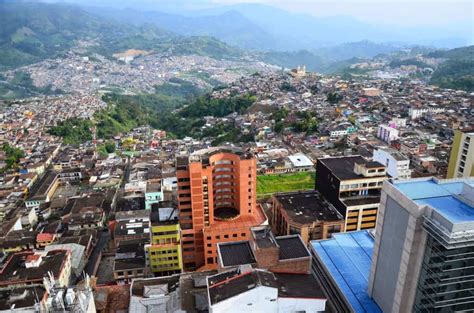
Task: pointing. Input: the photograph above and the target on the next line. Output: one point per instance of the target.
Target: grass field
(269, 184)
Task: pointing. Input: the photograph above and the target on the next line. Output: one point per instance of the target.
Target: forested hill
(31, 32)
(457, 72)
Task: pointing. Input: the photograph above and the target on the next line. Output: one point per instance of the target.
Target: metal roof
(347, 259)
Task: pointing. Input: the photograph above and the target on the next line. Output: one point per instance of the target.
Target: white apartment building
(397, 165)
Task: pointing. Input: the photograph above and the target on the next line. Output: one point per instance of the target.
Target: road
(101, 244)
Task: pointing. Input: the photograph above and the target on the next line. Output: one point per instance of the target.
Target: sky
(401, 12)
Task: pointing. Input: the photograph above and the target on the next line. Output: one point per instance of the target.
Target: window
(219, 162)
(226, 236)
(218, 237)
(234, 235)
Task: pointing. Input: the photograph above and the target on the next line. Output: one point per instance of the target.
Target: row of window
(165, 241)
(227, 236)
(164, 233)
(160, 252)
(164, 266)
(130, 273)
(170, 258)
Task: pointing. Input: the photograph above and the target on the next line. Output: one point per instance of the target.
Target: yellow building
(164, 251)
(461, 161)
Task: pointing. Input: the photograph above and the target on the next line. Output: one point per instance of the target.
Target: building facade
(164, 253)
(387, 133)
(216, 202)
(352, 184)
(424, 242)
(398, 165)
(461, 161)
(305, 213)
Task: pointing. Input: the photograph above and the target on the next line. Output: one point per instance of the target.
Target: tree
(334, 97)
(13, 156)
(109, 146)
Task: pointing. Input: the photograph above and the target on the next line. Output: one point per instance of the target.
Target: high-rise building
(352, 184)
(423, 255)
(216, 202)
(461, 161)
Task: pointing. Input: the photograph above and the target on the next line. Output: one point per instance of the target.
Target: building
(164, 253)
(422, 259)
(352, 184)
(255, 290)
(461, 160)
(130, 261)
(85, 212)
(78, 256)
(71, 175)
(415, 113)
(43, 190)
(153, 194)
(132, 229)
(397, 165)
(283, 254)
(371, 92)
(300, 163)
(18, 240)
(47, 298)
(22, 299)
(298, 72)
(305, 213)
(216, 202)
(185, 292)
(29, 268)
(387, 133)
(342, 265)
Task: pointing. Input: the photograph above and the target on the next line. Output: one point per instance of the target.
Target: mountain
(328, 59)
(457, 71)
(34, 31)
(230, 26)
(305, 31)
(30, 32)
(293, 59)
(360, 49)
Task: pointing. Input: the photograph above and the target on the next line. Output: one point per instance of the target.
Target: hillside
(30, 32)
(230, 27)
(457, 72)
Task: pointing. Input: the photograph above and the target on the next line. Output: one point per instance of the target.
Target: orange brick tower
(216, 201)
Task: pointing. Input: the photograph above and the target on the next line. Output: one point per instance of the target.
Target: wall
(391, 164)
(297, 266)
(290, 305)
(390, 254)
(165, 244)
(256, 300)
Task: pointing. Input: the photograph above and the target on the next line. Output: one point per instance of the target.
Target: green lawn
(269, 184)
